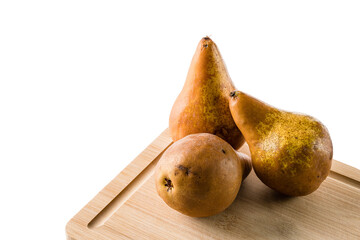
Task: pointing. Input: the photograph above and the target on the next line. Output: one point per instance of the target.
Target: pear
(200, 175)
(203, 104)
(291, 153)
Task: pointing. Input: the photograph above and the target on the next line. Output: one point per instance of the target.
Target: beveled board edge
(109, 199)
(78, 227)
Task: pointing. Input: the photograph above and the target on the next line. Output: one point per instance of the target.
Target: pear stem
(247, 167)
(234, 93)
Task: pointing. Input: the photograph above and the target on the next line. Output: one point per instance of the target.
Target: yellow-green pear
(291, 153)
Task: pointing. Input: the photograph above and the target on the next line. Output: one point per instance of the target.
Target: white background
(86, 85)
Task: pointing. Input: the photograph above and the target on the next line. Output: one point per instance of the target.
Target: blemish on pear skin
(290, 137)
(186, 169)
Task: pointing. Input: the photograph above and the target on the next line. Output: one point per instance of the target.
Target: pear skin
(203, 104)
(291, 153)
(200, 175)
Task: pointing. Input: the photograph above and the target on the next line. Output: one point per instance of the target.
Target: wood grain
(129, 208)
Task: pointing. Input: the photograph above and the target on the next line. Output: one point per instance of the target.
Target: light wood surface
(129, 208)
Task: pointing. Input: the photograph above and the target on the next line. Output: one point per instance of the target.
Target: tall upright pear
(291, 152)
(203, 104)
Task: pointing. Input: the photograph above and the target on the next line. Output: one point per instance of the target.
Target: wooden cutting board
(129, 208)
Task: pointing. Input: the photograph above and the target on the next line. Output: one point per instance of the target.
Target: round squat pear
(200, 175)
(291, 153)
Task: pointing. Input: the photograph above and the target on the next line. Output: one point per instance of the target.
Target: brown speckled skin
(203, 104)
(205, 173)
(291, 153)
